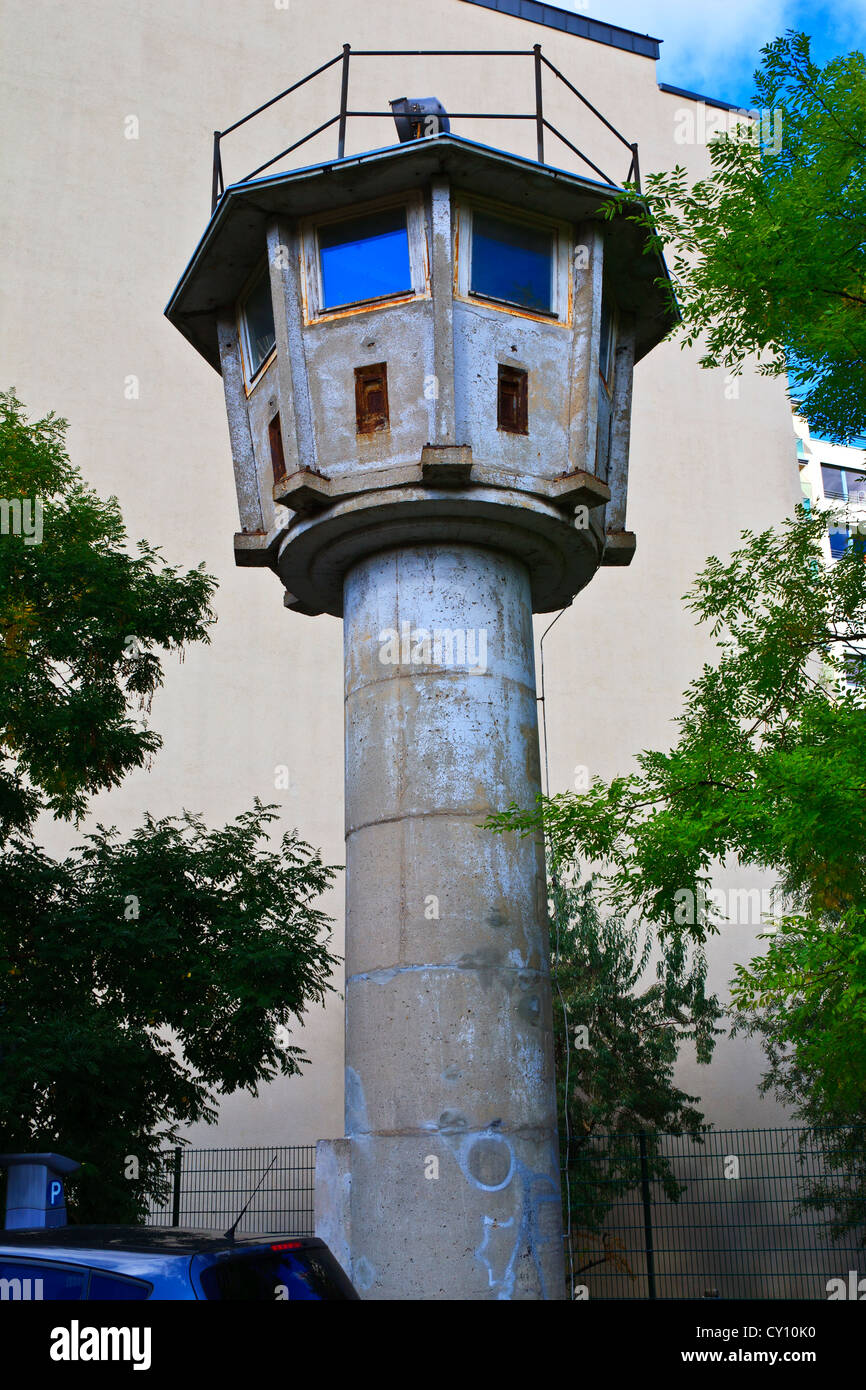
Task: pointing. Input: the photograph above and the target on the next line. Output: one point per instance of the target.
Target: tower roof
(233, 243)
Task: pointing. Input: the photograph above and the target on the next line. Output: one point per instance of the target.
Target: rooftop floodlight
(415, 118)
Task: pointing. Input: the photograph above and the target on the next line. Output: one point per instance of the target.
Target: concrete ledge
(442, 464)
(579, 489)
(318, 550)
(257, 549)
(297, 605)
(619, 548)
(304, 491)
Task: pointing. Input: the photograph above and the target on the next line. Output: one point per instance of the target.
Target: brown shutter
(512, 404)
(371, 398)
(275, 439)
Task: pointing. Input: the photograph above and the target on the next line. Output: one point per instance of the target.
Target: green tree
(618, 1025)
(806, 1001)
(140, 979)
(769, 769)
(768, 261)
(768, 253)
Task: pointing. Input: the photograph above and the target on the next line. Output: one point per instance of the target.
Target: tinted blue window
(305, 1276)
(26, 1282)
(365, 258)
(110, 1286)
(512, 262)
(838, 541)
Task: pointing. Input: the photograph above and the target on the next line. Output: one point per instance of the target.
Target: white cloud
(713, 46)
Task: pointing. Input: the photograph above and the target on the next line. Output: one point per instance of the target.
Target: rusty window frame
(393, 221)
(497, 234)
(562, 271)
(419, 258)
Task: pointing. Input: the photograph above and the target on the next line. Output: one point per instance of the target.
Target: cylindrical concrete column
(450, 1097)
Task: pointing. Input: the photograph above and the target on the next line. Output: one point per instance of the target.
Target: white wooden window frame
(607, 376)
(561, 290)
(419, 260)
(252, 378)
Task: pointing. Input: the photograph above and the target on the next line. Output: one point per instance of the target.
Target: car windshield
(269, 1275)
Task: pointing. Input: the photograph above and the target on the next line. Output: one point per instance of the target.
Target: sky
(713, 46)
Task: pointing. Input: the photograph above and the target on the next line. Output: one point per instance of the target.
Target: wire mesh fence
(745, 1213)
(737, 1213)
(209, 1188)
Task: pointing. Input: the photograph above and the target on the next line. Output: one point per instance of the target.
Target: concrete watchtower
(427, 354)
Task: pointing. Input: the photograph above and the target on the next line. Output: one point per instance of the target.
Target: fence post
(216, 176)
(344, 100)
(647, 1215)
(539, 108)
(635, 164)
(175, 1196)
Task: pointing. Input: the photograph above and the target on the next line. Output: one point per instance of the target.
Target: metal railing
(209, 1187)
(345, 113)
(660, 1216)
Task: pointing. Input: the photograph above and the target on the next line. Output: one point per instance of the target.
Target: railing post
(216, 180)
(344, 101)
(635, 164)
(175, 1195)
(539, 108)
(647, 1215)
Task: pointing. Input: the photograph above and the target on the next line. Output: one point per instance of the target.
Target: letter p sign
(55, 1193)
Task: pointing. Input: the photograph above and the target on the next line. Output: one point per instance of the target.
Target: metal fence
(661, 1216)
(209, 1187)
(653, 1216)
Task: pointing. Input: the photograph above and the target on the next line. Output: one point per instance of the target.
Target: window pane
(838, 541)
(855, 671)
(856, 486)
(259, 315)
(365, 258)
(111, 1286)
(31, 1282)
(511, 262)
(308, 1276)
(604, 340)
(832, 481)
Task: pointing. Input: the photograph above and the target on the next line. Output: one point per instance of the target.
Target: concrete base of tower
(443, 1216)
(447, 1184)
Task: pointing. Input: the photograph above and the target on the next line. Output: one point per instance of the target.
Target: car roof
(151, 1240)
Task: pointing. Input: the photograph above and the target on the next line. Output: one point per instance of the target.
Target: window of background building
(855, 669)
(844, 484)
(839, 539)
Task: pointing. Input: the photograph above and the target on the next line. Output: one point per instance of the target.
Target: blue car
(140, 1262)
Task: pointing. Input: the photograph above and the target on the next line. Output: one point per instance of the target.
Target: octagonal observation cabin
(427, 342)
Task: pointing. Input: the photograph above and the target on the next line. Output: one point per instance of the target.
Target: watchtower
(427, 354)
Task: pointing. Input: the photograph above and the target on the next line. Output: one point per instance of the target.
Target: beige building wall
(110, 111)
